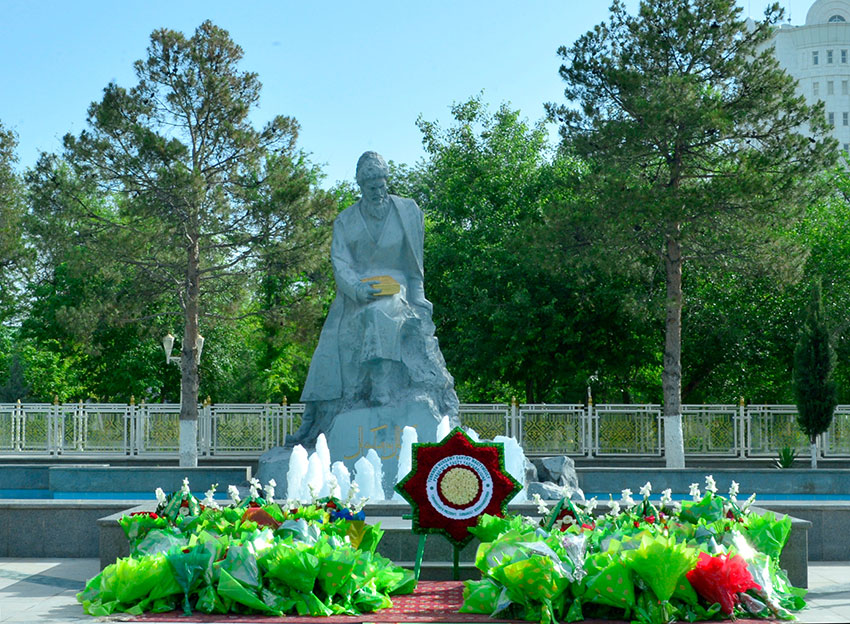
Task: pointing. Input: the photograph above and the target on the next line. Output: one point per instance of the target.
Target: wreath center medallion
(459, 487)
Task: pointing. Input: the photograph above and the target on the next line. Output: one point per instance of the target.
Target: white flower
(255, 487)
(627, 499)
(733, 490)
(615, 508)
(161, 498)
(208, 497)
(749, 502)
(591, 505)
(333, 486)
(695, 492)
(646, 490)
(353, 491)
(710, 485)
(542, 509)
(666, 497)
(269, 490)
(185, 488)
(233, 493)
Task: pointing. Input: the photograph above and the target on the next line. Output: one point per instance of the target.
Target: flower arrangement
(254, 556)
(452, 483)
(651, 562)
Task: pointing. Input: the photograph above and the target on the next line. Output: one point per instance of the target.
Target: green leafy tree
(696, 142)
(814, 388)
(515, 316)
(825, 234)
(198, 199)
(12, 250)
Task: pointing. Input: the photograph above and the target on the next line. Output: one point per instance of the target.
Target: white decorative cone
(378, 474)
(343, 479)
(316, 485)
(443, 429)
(364, 477)
(405, 456)
(295, 476)
(514, 464)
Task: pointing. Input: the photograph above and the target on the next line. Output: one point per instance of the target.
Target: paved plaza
(42, 590)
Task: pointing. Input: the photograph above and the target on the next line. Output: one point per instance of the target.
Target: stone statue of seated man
(377, 347)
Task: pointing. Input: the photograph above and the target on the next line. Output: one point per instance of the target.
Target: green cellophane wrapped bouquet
(252, 557)
(709, 558)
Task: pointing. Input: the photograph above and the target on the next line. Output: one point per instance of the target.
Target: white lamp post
(168, 346)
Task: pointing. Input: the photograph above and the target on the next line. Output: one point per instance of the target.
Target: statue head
(371, 166)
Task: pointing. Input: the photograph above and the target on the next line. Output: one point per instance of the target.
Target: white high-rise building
(818, 56)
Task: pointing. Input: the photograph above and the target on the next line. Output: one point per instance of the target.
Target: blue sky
(356, 75)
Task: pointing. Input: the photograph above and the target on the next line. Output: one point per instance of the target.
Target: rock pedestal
(274, 464)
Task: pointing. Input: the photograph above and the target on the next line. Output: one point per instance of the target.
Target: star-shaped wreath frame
(454, 482)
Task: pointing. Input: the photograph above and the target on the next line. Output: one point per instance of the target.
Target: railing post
(587, 432)
(130, 427)
(140, 423)
(84, 426)
(743, 428)
(55, 428)
(17, 426)
(206, 429)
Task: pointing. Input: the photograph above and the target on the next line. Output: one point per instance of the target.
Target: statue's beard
(376, 209)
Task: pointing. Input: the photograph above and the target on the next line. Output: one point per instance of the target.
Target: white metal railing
(605, 430)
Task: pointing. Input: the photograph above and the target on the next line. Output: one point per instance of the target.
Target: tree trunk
(189, 380)
(814, 450)
(671, 376)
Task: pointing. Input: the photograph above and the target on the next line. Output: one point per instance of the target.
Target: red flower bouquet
(721, 578)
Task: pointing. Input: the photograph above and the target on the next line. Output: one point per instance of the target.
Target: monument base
(353, 433)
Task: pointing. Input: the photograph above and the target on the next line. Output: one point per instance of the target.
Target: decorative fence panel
(836, 441)
(238, 429)
(488, 420)
(33, 427)
(7, 427)
(627, 429)
(158, 427)
(99, 428)
(773, 427)
(247, 430)
(554, 429)
(711, 429)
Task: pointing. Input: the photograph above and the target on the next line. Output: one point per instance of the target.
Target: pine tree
(814, 389)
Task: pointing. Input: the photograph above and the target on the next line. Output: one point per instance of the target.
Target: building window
(836, 19)
(816, 88)
(847, 147)
(845, 119)
(829, 56)
(844, 90)
(830, 87)
(814, 57)
(831, 118)
(844, 56)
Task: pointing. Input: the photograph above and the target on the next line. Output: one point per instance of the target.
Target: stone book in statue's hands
(386, 285)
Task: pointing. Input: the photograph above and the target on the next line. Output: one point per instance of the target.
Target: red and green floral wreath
(454, 482)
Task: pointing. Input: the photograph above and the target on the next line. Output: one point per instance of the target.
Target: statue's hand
(366, 292)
